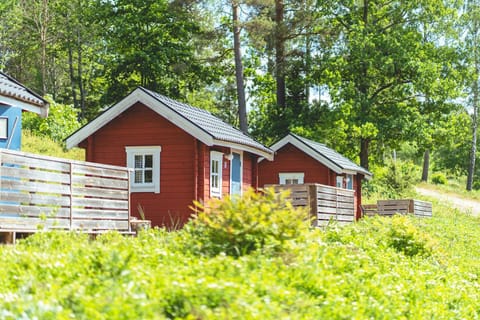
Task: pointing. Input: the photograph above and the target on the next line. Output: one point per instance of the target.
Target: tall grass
(379, 268)
(46, 146)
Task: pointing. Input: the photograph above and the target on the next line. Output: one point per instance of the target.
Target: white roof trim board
(15, 94)
(199, 123)
(320, 152)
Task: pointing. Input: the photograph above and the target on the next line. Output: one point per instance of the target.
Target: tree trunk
(43, 39)
(242, 104)
(72, 75)
(280, 54)
(83, 106)
(364, 146)
(473, 150)
(426, 165)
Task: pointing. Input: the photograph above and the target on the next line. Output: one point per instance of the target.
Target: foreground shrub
(237, 226)
(439, 178)
(405, 237)
(356, 271)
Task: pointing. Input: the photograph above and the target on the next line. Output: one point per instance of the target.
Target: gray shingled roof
(209, 123)
(332, 155)
(11, 88)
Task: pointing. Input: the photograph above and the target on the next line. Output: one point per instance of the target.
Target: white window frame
(283, 177)
(3, 127)
(217, 157)
(155, 151)
(339, 181)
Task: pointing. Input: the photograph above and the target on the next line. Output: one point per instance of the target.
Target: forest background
(379, 81)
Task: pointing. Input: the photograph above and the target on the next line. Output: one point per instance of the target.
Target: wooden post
(129, 200)
(71, 196)
(312, 203)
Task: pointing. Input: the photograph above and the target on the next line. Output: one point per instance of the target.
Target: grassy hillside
(380, 268)
(45, 146)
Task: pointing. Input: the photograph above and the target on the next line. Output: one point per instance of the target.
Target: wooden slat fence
(403, 206)
(325, 203)
(44, 192)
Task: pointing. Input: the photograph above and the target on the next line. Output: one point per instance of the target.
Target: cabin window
(145, 165)
(340, 182)
(345, 182)
(3, 128)
(349, 181)
(291, 177)
(216, 164)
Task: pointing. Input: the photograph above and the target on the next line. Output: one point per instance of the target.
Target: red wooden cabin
(299, 160)
(178, 154)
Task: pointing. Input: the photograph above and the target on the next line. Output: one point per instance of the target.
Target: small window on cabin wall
(145, 165)
(340, 182)
(216, 159)
(291, 178)
(345, 182)
(349, 182)
(3, 128)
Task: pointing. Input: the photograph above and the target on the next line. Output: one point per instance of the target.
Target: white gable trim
(138, 95)
(307, 150)
(42, 111)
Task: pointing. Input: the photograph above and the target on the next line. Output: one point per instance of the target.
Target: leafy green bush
(439, 178)
(393, 180)
(405, 237)
(476, 185)
(237, 226)
(378, 268)
(60, 123)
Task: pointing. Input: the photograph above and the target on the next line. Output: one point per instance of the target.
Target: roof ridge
(174, 101)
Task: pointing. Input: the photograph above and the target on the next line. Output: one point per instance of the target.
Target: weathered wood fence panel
(46, 192)
(325, 203)
(404, 206)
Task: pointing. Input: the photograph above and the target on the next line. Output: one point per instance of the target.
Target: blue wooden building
(14, 99)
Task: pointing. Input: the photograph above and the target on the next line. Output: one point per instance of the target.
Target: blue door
(236, 175)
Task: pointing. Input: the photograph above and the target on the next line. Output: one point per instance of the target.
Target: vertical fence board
(325, 203)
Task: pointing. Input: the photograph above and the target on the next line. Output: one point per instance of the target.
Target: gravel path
(468, 206)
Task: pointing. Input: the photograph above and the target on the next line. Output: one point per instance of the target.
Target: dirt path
(469, 206)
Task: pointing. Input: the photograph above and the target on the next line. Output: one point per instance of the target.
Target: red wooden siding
(184, 163)
(291, 159)
(140, 126)
(247, 165)
(247, 171)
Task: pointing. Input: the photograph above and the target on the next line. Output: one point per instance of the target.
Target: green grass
(45, 146)
(454, 187)
(379, 268)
